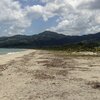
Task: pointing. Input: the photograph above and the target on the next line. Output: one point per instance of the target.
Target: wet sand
(8, 57)
(45, 75)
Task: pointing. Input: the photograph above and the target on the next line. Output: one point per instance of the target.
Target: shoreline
(44, 75)
(5, 58)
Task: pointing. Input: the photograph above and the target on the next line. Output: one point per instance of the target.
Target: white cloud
(12, 15)
(17, 19)
(80, 21)
(73, 16)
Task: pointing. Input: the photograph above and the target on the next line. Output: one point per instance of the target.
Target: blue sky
(69, 17)
(24, 3)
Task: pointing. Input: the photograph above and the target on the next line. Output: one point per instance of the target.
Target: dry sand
(44, 75)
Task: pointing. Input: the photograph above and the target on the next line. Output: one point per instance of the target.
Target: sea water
(9, 51)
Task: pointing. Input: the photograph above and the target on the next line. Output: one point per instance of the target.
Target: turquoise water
(6, 51)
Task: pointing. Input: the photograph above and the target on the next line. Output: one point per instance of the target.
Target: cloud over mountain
(72, 16)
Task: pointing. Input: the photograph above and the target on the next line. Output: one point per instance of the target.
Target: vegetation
(94, 47)
(53, 41)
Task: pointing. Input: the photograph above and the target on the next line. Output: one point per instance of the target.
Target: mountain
(46, 39)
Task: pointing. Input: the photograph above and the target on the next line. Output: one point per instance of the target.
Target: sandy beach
(12, 56)
(47, 75)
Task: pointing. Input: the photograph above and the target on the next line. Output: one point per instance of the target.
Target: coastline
(5, 58)
(45, 75)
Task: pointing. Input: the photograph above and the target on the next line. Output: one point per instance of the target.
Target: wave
(10, 53)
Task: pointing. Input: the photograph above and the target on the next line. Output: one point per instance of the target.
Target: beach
(48, 75)
(11, 56)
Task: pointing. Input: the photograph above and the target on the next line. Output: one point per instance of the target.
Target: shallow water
(9, 51)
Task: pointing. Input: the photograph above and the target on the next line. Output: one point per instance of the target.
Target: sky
(69, 17)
